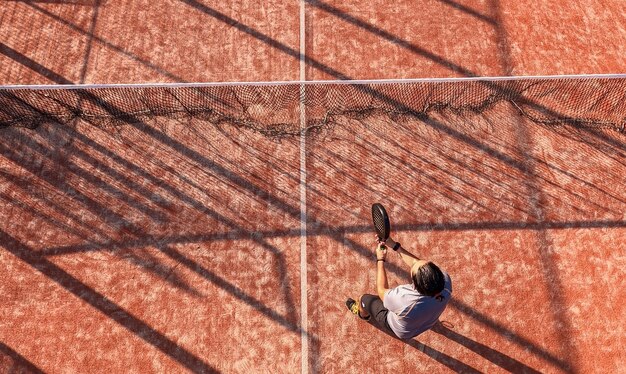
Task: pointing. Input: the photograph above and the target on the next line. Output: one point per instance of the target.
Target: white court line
(304, 310)
(302, 81)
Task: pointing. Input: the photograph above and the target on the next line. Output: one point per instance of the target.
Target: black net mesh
(276, 110)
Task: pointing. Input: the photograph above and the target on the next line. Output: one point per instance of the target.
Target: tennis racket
(381, 221)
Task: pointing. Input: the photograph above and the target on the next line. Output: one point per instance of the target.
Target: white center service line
(303, 254)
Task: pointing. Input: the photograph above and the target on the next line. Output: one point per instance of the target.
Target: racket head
(381, 221)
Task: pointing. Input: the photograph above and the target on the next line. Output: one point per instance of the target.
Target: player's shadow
(444, 359)
(502, 360)
(498, 358)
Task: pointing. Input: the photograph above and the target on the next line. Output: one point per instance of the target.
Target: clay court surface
(176, 245)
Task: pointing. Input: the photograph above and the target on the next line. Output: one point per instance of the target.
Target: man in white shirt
(409, 309)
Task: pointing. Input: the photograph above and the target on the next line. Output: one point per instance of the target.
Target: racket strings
(379, 223)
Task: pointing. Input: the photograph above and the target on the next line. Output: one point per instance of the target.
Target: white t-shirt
(411, 313)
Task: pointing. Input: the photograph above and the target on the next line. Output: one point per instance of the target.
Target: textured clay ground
(170, 245)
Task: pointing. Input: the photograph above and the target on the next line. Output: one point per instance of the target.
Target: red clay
(151, 248)
(173, 245)
(449, 38)
(112, 41)
(528, 229)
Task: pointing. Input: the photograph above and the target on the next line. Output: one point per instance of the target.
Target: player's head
(427, 278)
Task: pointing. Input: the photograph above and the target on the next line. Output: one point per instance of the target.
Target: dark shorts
(378, 313)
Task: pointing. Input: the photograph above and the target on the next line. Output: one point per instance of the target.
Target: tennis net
(274, 109)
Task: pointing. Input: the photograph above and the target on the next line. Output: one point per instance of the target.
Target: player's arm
(407, 257)
(382, 286)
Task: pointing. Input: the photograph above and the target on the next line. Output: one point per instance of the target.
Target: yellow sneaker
(352, 306)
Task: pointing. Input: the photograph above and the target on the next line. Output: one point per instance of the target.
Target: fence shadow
(133, 324)
(105, 305)
(13, 362)
(267, 196)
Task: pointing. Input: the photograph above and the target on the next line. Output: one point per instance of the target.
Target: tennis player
(409, 309)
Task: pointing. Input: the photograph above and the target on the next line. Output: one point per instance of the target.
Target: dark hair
(428, 279)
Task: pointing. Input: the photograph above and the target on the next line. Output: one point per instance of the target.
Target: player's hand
(389, 242)
(381, 251)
